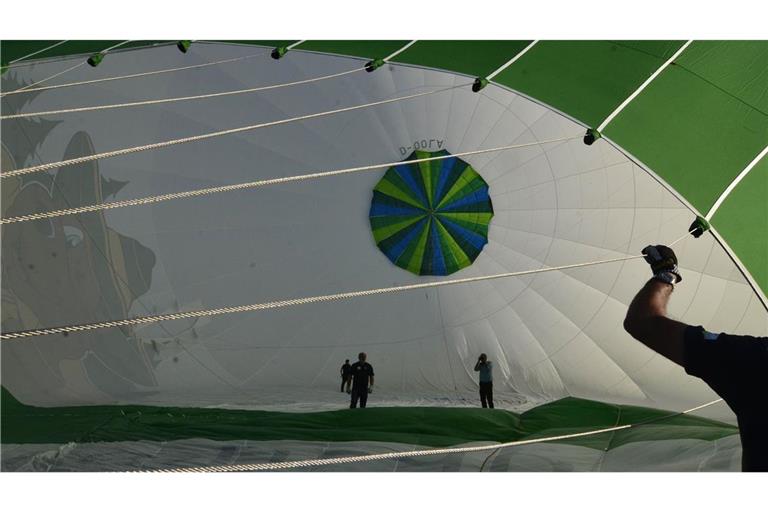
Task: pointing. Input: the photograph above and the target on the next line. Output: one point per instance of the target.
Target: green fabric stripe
(386, 244)
(427, 267)
(476, 58)
(434, 178)
(455, 172)
(271, 43)
(586, 79)
(391, 225)
(739, 68)
(384, 221)
(429, 426)
(458, 257)
(468, 183)
(393, 201)
(479, 206)
(458, 186)
(14, 49)
(694, 135)
(414, 255)
(743, 220)
(475, 221)
(367, 49)
(393, 186)
(467, 248)
(429, 175)
(450, 259)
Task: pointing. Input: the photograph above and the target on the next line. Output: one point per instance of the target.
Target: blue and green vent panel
(431, 218)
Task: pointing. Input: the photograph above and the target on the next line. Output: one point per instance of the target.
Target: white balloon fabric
(550, 335)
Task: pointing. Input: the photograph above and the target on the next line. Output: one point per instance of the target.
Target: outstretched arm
(647, 321)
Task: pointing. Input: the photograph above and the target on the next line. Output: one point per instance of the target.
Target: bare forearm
(650, 301)
(647, 321)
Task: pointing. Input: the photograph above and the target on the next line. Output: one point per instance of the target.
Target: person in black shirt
(346, 375)
(362, 381)
(735, 367)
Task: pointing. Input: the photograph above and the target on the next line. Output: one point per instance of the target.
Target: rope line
(137, 320)
(256, 184)
(135, 75)
(399, 51)
(443, 451)
(118, 45)
(35, 53)
(735, 183)
(512, 60)
(210, 135)
(298, 464)
(292, 302)
(29, 86)
(181, 98)
(642, 87)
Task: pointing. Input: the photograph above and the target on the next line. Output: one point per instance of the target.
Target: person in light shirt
(485, 367)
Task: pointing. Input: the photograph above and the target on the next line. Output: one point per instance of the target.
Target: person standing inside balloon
(735, 367)
(362, 381)
(485, 367)
(346, 375)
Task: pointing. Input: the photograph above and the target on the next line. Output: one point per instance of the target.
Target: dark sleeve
(697, 357)
(707, 354)
(370, 368)
(733, 366)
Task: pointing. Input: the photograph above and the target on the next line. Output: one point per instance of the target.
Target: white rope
(512, 60)
(292, 302)
(184, 140)
(294, 45)
(642, 87)
(713, 402)
(35, 53)
(135, 75)
(301, 301)
(398, 52)
(298, 464)
(256, 184)
(734, 183)
(118, 45)
(441, 451)
(29, 86)
(181, 98)
(271, 466)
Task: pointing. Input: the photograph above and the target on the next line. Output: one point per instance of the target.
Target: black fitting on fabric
(373, 65)
(479, 84)
(183, 46)
(95, 59)
(699, 227)
(279, 52)
(591, 136)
